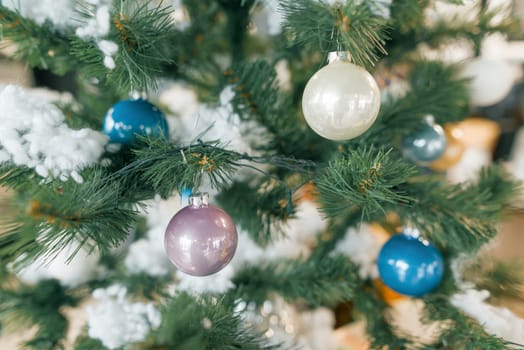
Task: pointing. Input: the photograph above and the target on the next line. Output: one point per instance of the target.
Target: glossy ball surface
(127, 118)
(341, 101)
(491, 80)
(410, 265)
(426, 144)
(201, 239)
(454, 148)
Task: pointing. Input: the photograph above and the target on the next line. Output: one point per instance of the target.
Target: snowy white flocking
(97, 28)
(34, 134)
(300, 233)
(69, 272)
(63, 14)
(116, 321)
(180, 16)
(219, 282)
(362, 247)
(495, 320)
(408, 320)
(284, 324)
(109, 49)
(469, 166)
(178, 97)
(58, 12)
(147, 255)
(221, 123)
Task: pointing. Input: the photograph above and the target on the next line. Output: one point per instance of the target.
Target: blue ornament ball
(128, 118)
(426, 144)
(410, 265)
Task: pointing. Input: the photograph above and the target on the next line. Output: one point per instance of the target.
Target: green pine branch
(322, 281)
(351, 26)
(500, 278)
(337, 229)
(143, 35)
(57, 214)
(39, 46)
(372, 309)
(459, 218)
(407, 15)
(39, 305)
(198, 50)
(20, 178)
(487, 22)
(412, 33)
(99, 212)
(464, 333)
(366, 180)
(162, 167)
(237, 13)
(455, 217)
(434, 90)
(84, 342)
(203, 323)
(166, 167)
(259, 207)
(361, 183)
(258, 98)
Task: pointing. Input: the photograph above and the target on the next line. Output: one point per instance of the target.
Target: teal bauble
(129, 118)
(410, 265)
(426, 144)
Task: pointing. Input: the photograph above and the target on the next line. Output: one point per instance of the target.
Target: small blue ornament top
(426, 144)
(128, 118)
(410, 265)
(185, 193)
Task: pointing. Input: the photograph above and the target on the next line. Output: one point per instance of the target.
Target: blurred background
(493, 133)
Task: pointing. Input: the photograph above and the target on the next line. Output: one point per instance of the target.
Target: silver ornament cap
(343, 56)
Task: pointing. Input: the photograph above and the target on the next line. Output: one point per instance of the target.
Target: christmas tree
(232, 174)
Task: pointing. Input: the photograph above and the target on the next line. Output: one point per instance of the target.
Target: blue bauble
(410, 265)
(128, 118)
(426, 144)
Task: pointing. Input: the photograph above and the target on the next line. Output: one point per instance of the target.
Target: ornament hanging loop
(342, 56)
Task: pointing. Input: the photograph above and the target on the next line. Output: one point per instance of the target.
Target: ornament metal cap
(137, 95)
(199, 199)
(411, 231)
(343, 56)
(430, 119)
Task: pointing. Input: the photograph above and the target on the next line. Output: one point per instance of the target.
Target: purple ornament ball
(200, 239)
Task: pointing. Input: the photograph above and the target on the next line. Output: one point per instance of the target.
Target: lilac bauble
(200, 239)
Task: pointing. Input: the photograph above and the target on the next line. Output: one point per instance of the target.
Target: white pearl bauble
(491, 80)
(341, 101)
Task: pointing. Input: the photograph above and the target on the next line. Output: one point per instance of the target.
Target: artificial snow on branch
(34, 134)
